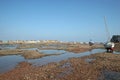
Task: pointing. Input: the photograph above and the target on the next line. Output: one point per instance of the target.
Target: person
(112, 46)
(109, 46)
(91, 43)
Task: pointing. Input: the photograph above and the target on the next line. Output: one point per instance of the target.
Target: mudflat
(99, 66)
(27, 54)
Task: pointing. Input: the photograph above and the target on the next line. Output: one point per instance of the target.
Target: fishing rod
(107, 31)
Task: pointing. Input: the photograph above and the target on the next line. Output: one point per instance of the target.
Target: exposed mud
(108, 64)
(117, 47)
(72, 69)
(53, 71)
(100, 66)
(27, 54)
(10, 52)
(82, 48)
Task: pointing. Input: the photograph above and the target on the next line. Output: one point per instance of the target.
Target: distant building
(4, 42)
(1, 41)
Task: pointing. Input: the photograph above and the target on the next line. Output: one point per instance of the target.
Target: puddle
(10, 61)
(115, 52)
(66, 65)
(30, 49)
(8, 46)
(110, 75)
(52, 51)
(68, 70)
(89, 60)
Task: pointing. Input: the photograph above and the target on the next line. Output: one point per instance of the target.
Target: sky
(64, 20)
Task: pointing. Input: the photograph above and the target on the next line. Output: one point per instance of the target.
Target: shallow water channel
(64, 55)
(10, 61)
(8, 46)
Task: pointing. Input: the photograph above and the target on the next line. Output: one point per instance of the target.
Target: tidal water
(10, 61)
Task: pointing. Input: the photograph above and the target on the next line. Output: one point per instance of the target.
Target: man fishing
(109, 46)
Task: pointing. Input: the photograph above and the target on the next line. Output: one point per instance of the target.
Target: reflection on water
(65, 56)
(10, 61)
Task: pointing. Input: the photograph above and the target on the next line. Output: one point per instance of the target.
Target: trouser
(109, 49)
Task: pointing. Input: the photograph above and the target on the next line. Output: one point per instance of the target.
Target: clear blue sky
(66, 20)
